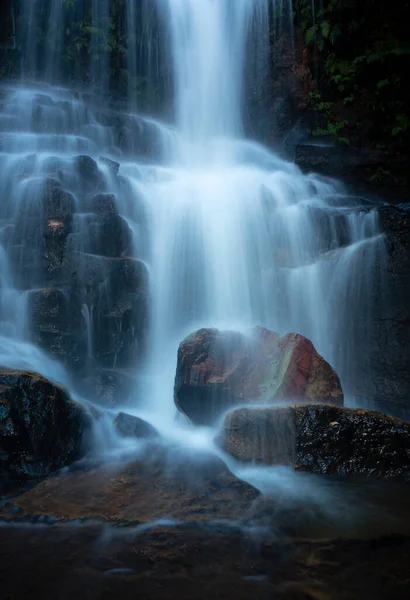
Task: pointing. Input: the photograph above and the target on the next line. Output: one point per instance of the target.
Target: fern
(325, 28)
(310, 35)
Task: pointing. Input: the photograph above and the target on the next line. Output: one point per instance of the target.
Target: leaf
(336, 31)
(360, 59)
(375, 56)
(325, 29)
(310, 34)
(382, 83)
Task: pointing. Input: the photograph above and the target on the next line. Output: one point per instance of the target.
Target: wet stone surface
(321, 439)
(220, 369)
(41, 428)
(192, 563)
(159, 482)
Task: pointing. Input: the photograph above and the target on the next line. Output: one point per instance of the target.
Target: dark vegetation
(357, 81)
(75, 48)
(351, 65)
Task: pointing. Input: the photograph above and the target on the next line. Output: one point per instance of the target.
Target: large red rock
(220, 369)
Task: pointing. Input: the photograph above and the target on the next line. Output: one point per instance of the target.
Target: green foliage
(401, 125)
(81, 37)
(380, 175)
(362, 64)
(334, 131)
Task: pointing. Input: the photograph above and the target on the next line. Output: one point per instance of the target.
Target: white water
(232, 234)
(240, 234)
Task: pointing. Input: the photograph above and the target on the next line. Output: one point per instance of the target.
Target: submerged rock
(57, 325)
(112, 165)
(320, 439)
(39, 254)
(220, 369)
(58, 204)
(114, 293)
(103, 204)
(162, 481)
(110, 387)
(130, 426)
(100, 320)
(109, 235)
(41, 428)
(90, 176)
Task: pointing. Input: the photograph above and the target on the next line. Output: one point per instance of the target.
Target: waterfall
(55, 34)
(100, 31)
(220, 230)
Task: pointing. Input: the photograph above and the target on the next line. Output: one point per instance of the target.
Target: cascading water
(241, 236)
(229, 234)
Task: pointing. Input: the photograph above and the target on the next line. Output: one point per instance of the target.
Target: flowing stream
(230, 233)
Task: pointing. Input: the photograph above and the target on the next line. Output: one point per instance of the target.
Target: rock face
(219, 369)
(68, 248)
(100, 320)
(320, 439)
(390, 385)
(130, 426)
(41, 428)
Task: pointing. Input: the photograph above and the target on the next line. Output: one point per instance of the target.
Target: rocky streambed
(251, 512)
(196, 563)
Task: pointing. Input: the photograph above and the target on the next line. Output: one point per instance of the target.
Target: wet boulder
(112, 165)
(220, 369)
(26, 263)
(320, 439)
(260, 435)
(90, 178)
(110, 387)
(41, 428)
(105, 233)
(58, 204)
(57, 168)
(131, 426)
(190, 486)
(97, 277)
(41, 232)
(43, 201)
(114, 294)
(103, 204)
(55, 256)
(48, 310)
(57, 325)
(109, 235)
(136, 136)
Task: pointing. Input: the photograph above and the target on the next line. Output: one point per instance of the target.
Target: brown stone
(41, 428)
(220, 369)
(196, 563)
(320, 439)
(131, 426)
(158, 484)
